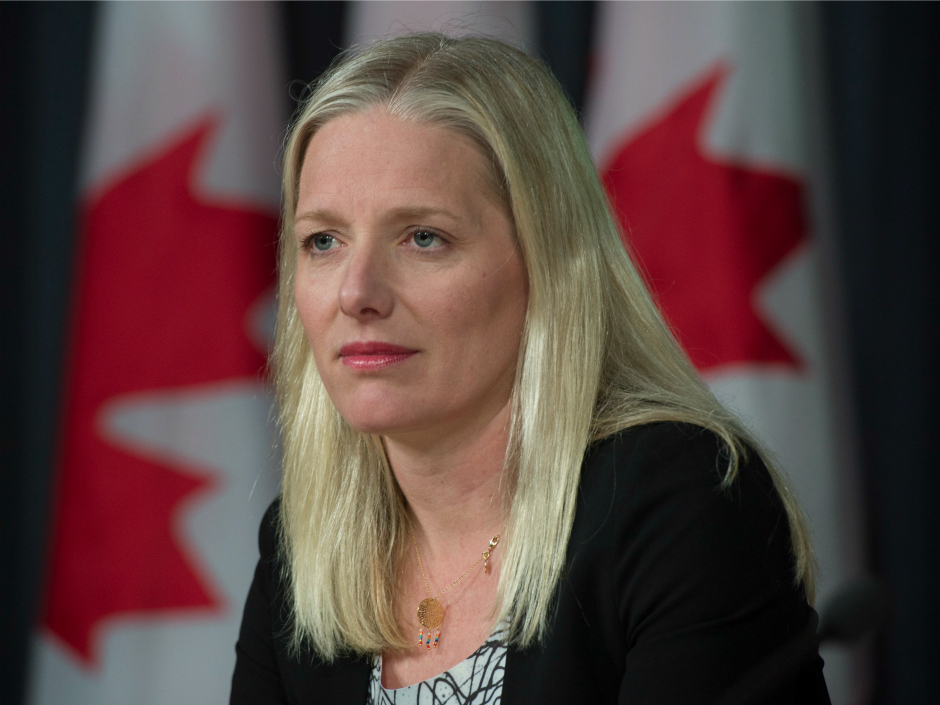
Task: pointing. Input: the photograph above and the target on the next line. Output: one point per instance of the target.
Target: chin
(393, 419)
(376, 417)
(368, 424)
(379, 426)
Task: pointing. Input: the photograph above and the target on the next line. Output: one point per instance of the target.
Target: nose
(365, 292)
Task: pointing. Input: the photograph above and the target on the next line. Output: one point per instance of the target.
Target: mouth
(372, 355)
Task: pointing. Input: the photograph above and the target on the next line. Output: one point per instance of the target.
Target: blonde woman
(503, 480)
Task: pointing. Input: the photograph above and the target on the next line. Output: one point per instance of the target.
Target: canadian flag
(168, 458)
(705, 123)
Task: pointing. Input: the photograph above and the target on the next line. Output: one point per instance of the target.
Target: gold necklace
(430, 611)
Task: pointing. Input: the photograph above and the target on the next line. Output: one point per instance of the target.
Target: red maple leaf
(166, 282)
(706, 232)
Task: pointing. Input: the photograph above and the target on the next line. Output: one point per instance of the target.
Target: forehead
(392, 161)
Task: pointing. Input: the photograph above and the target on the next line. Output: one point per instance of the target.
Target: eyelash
(429, 231)
(308, 243)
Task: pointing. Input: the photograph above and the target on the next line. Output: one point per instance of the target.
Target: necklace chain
(485, 556)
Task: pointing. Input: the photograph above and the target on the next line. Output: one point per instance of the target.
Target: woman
(502, 478)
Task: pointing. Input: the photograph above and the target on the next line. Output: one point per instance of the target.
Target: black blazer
(674, 593)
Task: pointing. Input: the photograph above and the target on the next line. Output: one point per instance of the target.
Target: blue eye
(323, 242)
(424, 238)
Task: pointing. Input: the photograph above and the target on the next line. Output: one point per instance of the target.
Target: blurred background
(776, 168)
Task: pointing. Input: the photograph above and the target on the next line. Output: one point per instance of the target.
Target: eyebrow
(326, 216)
(320, 214)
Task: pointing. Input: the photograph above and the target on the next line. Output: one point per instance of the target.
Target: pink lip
(371, 355)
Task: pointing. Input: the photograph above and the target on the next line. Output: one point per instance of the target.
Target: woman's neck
(454, 485)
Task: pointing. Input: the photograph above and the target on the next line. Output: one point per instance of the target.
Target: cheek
(312, 309)
(484, 313)
(507, 313)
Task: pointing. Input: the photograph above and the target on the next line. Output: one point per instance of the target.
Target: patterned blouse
(477, 680)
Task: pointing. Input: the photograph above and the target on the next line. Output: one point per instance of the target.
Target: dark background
(882, 76)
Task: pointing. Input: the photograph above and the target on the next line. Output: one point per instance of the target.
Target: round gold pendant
(430, 613)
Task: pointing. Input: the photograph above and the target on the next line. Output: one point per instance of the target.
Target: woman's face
(409, 283)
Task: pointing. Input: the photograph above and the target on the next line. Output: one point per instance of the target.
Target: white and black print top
(477, 680)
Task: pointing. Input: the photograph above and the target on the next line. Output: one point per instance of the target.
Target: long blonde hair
(595, 356)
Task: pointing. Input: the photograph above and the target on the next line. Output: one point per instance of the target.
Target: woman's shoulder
(269, 532)
(652, 498)
(688, 582)
(673, 442)
(672, 458)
